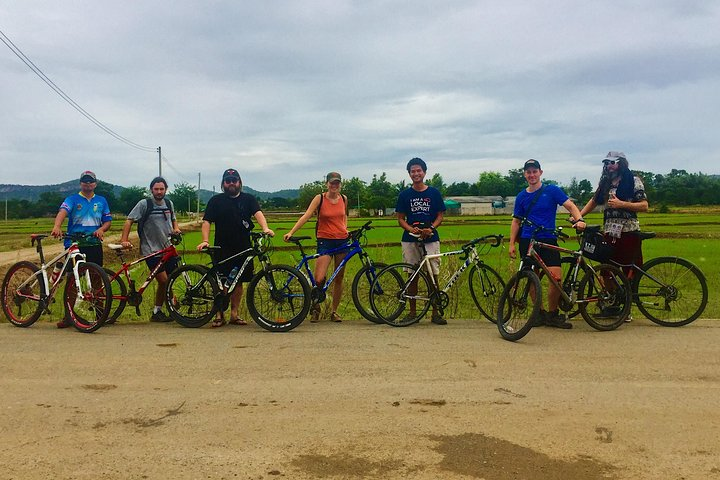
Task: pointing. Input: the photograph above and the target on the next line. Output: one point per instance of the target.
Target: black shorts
(93, 253)
(550, 257)
(168, 267)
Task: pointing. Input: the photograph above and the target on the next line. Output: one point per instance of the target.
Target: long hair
(603, 191)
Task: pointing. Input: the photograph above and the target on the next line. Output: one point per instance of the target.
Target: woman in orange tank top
(331, 232)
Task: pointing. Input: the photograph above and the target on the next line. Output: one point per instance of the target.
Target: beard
(158, 197)
(232, 189)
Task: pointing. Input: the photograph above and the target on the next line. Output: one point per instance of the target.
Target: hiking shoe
(438, 320)
(160, 316)
(553, 319)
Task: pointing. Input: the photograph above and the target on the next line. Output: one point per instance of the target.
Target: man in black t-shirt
(232, 212)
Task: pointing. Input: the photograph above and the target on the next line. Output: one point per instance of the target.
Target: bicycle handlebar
(493, 240)
(557, 231)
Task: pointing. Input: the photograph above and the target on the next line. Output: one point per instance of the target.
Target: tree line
(676, 188)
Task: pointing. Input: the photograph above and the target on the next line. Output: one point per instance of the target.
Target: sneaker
(438, 320)
(553, 319)
(629, 319)
(609, 312)
(540, 319)
(65, 322)
(160, 316)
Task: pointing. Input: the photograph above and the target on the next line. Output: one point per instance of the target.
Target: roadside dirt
(356, 400)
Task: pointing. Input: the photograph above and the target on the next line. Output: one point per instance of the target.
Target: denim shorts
(324, 245)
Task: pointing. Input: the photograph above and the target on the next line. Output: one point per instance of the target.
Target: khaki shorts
(412, 254)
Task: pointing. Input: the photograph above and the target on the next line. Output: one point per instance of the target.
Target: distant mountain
(32, 192)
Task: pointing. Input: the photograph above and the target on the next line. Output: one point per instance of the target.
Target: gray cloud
(285, 91)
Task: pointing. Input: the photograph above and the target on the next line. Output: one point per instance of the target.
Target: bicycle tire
(279, 309)
(89, 312)
(683, 294)
(194, 290)
(610, 297)
(486, 286)
(119, 295)
(517, 309)
(361, 284)
(388, 297)
(22, 309)
(567, 264)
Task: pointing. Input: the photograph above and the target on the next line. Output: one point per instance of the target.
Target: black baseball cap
(231, 173)
(532, 163)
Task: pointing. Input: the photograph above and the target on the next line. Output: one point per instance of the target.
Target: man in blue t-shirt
(419, 212)
(86, 213)
(542, 210)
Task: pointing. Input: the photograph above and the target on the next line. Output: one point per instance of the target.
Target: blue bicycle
(362, 281)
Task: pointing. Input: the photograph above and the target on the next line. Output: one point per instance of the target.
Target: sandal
(217, 323)
(237, 321)
(315, 313)
(335, 317)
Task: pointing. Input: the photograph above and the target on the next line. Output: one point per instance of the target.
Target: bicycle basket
(596, 248)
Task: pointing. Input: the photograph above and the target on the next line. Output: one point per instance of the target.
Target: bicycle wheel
(89, 310)
(361, 290)
(278, 298)
(119, 295)
(486, 285)
(671, 292)
(517, 308)
(568, 267)
(604, 297)
(193, 290)
(392, 293)
(22, 305)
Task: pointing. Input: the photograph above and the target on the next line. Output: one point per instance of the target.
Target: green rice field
(693, 236)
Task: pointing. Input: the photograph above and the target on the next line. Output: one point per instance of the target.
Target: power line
(13, 48)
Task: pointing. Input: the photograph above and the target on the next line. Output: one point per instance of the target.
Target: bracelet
(578, 220)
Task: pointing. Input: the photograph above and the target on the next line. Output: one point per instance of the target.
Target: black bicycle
(278, 296)
(600, 293)
(670, 291)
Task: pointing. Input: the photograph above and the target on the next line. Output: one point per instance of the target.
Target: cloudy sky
(285, 91)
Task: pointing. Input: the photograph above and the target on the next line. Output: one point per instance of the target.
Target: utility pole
(198, 197)
(159, 162)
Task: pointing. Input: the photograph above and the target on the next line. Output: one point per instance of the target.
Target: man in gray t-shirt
(153, 233)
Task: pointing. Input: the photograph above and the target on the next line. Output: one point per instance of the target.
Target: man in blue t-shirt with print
(542, 211)
(419, 212)
(86, 213)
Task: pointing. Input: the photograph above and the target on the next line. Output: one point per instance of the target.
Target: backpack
(317, 212)
(149, 206)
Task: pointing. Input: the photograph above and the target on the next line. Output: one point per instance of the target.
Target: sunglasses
(231, 180)
(610, 162)
(87, 180)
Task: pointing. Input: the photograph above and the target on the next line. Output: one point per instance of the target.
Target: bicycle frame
(71, 254)
(255, 252)
(166, 254)
(304, 264)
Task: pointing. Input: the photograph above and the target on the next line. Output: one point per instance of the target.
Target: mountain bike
(401, 284)
(28, 290)
(363, 278)
(121, 281)
(601, 293)
(669, 291)
(278, 296)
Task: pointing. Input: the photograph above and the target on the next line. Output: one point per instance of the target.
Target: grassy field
(694, 236)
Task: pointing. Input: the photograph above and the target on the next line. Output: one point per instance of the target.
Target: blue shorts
(324, 245)
(169, 266)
